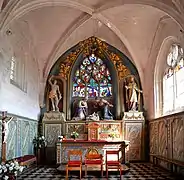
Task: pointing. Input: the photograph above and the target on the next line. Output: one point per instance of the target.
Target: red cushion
(28, 157)
(19, 159)
(74, 163)
(112, 162)
(98, 161)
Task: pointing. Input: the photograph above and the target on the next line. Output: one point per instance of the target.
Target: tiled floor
(141, 171)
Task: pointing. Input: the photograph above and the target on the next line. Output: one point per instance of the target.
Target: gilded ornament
(114, 57)
(89, 46)
(122, 70)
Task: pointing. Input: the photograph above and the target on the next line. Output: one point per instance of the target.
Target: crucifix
(4, 135)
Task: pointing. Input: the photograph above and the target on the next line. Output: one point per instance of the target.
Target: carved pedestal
(53, 126)
(53, 123)
(133, 123)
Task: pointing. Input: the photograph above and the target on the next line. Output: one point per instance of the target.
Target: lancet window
(17, 73)
(173, 81)
(92, 79)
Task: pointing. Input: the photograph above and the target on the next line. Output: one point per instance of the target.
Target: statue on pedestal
(54, 95)
(132, 99)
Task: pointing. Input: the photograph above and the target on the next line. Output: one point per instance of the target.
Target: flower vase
(74, 138)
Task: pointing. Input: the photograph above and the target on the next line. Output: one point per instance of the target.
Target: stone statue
(82, 110)
(54, 95)
(131, 95)
(103, 107)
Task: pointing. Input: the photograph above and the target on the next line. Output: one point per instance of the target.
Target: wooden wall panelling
(133, 131)
(162, 141)
(177, 130)
(169, 141)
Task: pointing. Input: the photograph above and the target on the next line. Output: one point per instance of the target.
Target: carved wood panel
(178, 139)
(133, 133)
(162, 138)
(52, 131)
(153, 138)
(167, 137)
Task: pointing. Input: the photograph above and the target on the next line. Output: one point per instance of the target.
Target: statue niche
(55, 94)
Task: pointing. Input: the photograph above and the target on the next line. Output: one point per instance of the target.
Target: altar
(98, 146)
(126, 134)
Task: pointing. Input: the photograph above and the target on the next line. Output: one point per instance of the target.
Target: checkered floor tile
(137, 171)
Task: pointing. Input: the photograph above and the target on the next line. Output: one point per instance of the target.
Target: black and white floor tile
(137, 171)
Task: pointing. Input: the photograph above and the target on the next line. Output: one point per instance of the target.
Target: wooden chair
(93, 159)
(113, 162)
(74, 161)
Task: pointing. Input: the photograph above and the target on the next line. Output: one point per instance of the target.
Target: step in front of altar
(125, 168)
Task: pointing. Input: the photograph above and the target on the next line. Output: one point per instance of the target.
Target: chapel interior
(95, 76)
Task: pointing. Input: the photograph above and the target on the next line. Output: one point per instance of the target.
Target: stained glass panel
(92, 79)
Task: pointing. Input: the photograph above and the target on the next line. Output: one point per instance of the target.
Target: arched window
(18, 73)
(173, 81)
(92, 79)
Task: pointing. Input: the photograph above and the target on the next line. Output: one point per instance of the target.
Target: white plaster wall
(13, 99)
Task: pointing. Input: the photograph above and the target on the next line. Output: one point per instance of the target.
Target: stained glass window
(92, 79)
(173, 81)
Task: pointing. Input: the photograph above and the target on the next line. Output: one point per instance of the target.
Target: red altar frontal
(99, 146)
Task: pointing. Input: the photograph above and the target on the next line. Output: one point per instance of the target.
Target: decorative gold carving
(66, 66)
(122, 70)
(92, 151)
(87, 47)
(114, 58)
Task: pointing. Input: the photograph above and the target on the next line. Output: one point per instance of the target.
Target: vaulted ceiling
(51, 27)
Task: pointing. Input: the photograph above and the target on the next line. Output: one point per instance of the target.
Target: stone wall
(167, 138)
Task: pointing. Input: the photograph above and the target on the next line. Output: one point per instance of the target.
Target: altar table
(100, 146)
